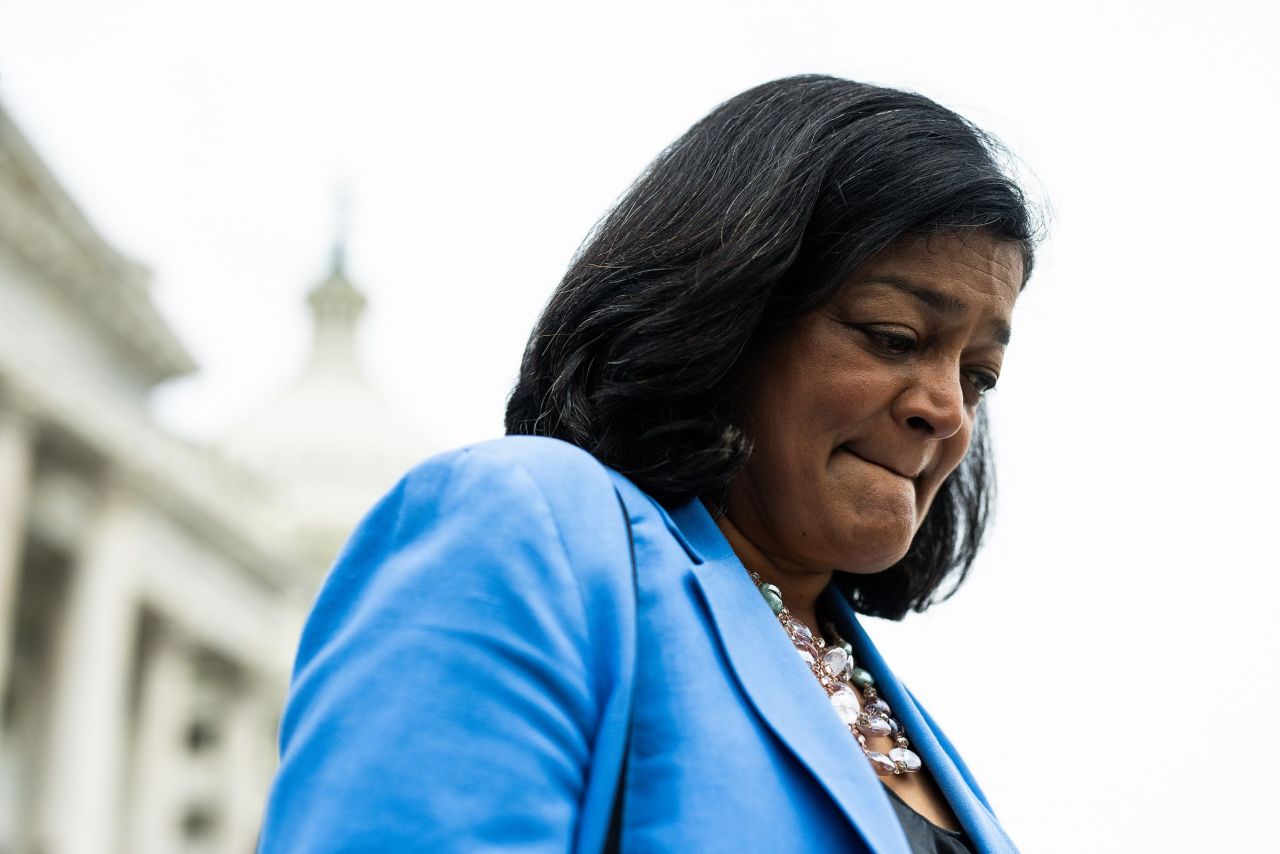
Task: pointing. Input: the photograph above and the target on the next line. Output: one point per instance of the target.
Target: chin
(870, 553)
(871, 567)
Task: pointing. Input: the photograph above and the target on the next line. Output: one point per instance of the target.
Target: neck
(800, 586)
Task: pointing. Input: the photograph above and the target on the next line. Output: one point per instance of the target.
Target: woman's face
(861, 409)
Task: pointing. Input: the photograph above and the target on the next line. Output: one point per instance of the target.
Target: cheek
(796, 413)
(952, 456)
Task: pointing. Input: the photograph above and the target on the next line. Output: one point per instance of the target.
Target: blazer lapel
(974, 816)
(788, 699)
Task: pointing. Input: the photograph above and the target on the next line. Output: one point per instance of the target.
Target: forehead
(973, 270)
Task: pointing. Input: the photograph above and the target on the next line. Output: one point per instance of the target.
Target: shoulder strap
(613, 841)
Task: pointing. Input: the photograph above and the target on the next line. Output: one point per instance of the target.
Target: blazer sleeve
(443, 698)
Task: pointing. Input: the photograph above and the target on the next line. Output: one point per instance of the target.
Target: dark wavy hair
(754, 217)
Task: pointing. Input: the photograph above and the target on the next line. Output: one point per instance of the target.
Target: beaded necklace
(838, 673)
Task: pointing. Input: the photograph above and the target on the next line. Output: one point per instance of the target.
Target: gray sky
(1110, 671)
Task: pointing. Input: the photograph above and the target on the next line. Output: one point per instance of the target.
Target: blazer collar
(794, 706)
(789, 700)
(978, 821)
(683, 523)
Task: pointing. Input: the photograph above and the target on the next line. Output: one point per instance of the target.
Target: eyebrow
(940, 303)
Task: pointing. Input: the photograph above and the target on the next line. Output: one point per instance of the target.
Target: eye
(891, 343)
(983, 381)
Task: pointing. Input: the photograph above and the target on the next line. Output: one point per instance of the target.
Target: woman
(754, 409)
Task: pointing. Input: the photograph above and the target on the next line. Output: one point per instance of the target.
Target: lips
(900, 471)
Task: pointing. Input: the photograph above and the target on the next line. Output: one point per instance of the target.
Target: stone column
(82, 804)
(17, 459)
(249, 766)
(160, 759)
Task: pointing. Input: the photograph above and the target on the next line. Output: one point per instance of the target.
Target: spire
(341, 220)
(329, 443)
(336, 304)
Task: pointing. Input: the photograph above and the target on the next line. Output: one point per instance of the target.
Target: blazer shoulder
(466, 594)
(548, 463)
(568, 482)
(559, 495)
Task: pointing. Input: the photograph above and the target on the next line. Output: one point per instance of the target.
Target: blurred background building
(152, 588)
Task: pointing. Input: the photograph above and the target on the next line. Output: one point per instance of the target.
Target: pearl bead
(845, 702)
(883, 765)
(807, 651)
(905, 758)
(773, 596)
(861, 678)
(873, 726)
(833, 662)
(796, 627)
(836, 661)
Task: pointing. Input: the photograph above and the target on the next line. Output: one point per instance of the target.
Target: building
(329, 443)
(151, 589)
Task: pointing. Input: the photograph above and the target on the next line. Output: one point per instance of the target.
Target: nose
(933, 402)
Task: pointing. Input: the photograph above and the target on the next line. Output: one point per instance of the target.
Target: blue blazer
(463, 681)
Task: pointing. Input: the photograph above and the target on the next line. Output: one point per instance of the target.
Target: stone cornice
(41, 226)
(180, 481)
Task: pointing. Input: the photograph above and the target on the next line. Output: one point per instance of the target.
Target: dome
(329, 445)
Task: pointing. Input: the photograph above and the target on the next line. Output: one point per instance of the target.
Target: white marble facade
(151, 590)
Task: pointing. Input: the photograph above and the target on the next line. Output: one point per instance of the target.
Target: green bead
(773, 596)
(861, 678)
(848, 647)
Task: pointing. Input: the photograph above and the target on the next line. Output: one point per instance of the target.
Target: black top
(926, 837)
